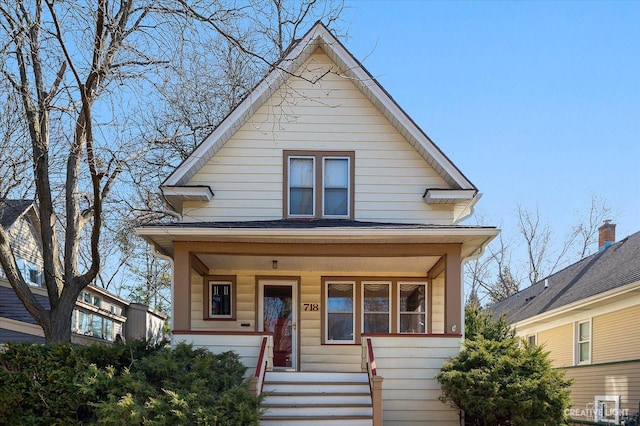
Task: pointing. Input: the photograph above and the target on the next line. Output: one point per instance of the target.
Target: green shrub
(501, 381)
(128, 384)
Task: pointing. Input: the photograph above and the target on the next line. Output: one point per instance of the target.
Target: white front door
(278, 314)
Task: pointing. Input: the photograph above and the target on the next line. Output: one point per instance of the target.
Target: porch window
(340, 312)
(220, 298)
(370, 305)
(412, 303)
(583, 342)
(318, 184)
(376, 307)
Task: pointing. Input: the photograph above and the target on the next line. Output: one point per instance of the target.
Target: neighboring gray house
(99, 315)
(587, 317)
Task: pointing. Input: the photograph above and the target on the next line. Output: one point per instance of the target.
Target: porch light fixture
(274, 264)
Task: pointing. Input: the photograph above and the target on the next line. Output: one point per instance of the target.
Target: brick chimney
(607, 235)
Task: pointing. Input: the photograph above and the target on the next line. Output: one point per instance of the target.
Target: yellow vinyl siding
(437, 305)
(610, 379)
(559, 342)
(313, 355)
(615, 335)
(246, 174)
(409, 366)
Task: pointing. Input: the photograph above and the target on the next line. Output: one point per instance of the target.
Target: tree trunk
(60, 324)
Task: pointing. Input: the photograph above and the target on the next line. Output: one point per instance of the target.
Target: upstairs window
(30, 272)
(318, 184)
(583, 342)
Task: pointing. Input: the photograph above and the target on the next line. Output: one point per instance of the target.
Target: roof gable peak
(319, 36)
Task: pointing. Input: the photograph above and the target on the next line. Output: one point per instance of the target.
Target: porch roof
(472, 239)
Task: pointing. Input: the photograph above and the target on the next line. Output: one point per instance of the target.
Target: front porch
(396, 372)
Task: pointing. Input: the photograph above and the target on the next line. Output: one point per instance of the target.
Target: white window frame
(313, 187)
(533, 336)
(229, 283)
(578, 342)
(336, 157)
(426, 305)
(362, 309)
(25, 268)
(327, 312)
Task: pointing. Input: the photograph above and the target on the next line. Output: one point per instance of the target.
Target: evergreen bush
(130, 384)
(502, 381)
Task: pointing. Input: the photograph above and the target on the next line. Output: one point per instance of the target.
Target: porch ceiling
(365, 265)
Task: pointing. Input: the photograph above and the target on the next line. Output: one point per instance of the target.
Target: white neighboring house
(98, 316)
(320, 239)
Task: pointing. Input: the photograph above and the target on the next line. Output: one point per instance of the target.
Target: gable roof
(319, 37)
(612, 268)
(11, 210)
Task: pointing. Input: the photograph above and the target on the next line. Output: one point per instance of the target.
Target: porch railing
(375, 381)
(256, 383)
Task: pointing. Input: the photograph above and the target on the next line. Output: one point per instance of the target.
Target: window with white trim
(583, 342)
(318, 184)
(532, 340)
(372, 305)
(376, 307)
(340, 320)
(412, 301)
(30, 272)
(92, 324)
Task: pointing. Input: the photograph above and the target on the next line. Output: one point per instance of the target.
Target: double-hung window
(583, 342)
(413, 317)
(376, 307)
(318, 184)
(372, 305)
(340, 326)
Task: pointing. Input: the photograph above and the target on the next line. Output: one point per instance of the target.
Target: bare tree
(534, 252)
(587, 229)
(544, 255)
(192, 103)
(80, 79)
(62, 60)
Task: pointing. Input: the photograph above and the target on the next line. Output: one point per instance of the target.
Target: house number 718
(311, 307)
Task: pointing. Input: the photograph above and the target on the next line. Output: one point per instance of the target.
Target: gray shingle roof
(308, 224)
(11, 210)
(614, 267)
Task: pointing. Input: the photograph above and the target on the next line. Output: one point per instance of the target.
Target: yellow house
(588, 317)
(320, 239)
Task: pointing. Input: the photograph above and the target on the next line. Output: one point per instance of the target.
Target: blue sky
(538, 103)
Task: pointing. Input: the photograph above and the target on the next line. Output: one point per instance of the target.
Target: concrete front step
(303, 398)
